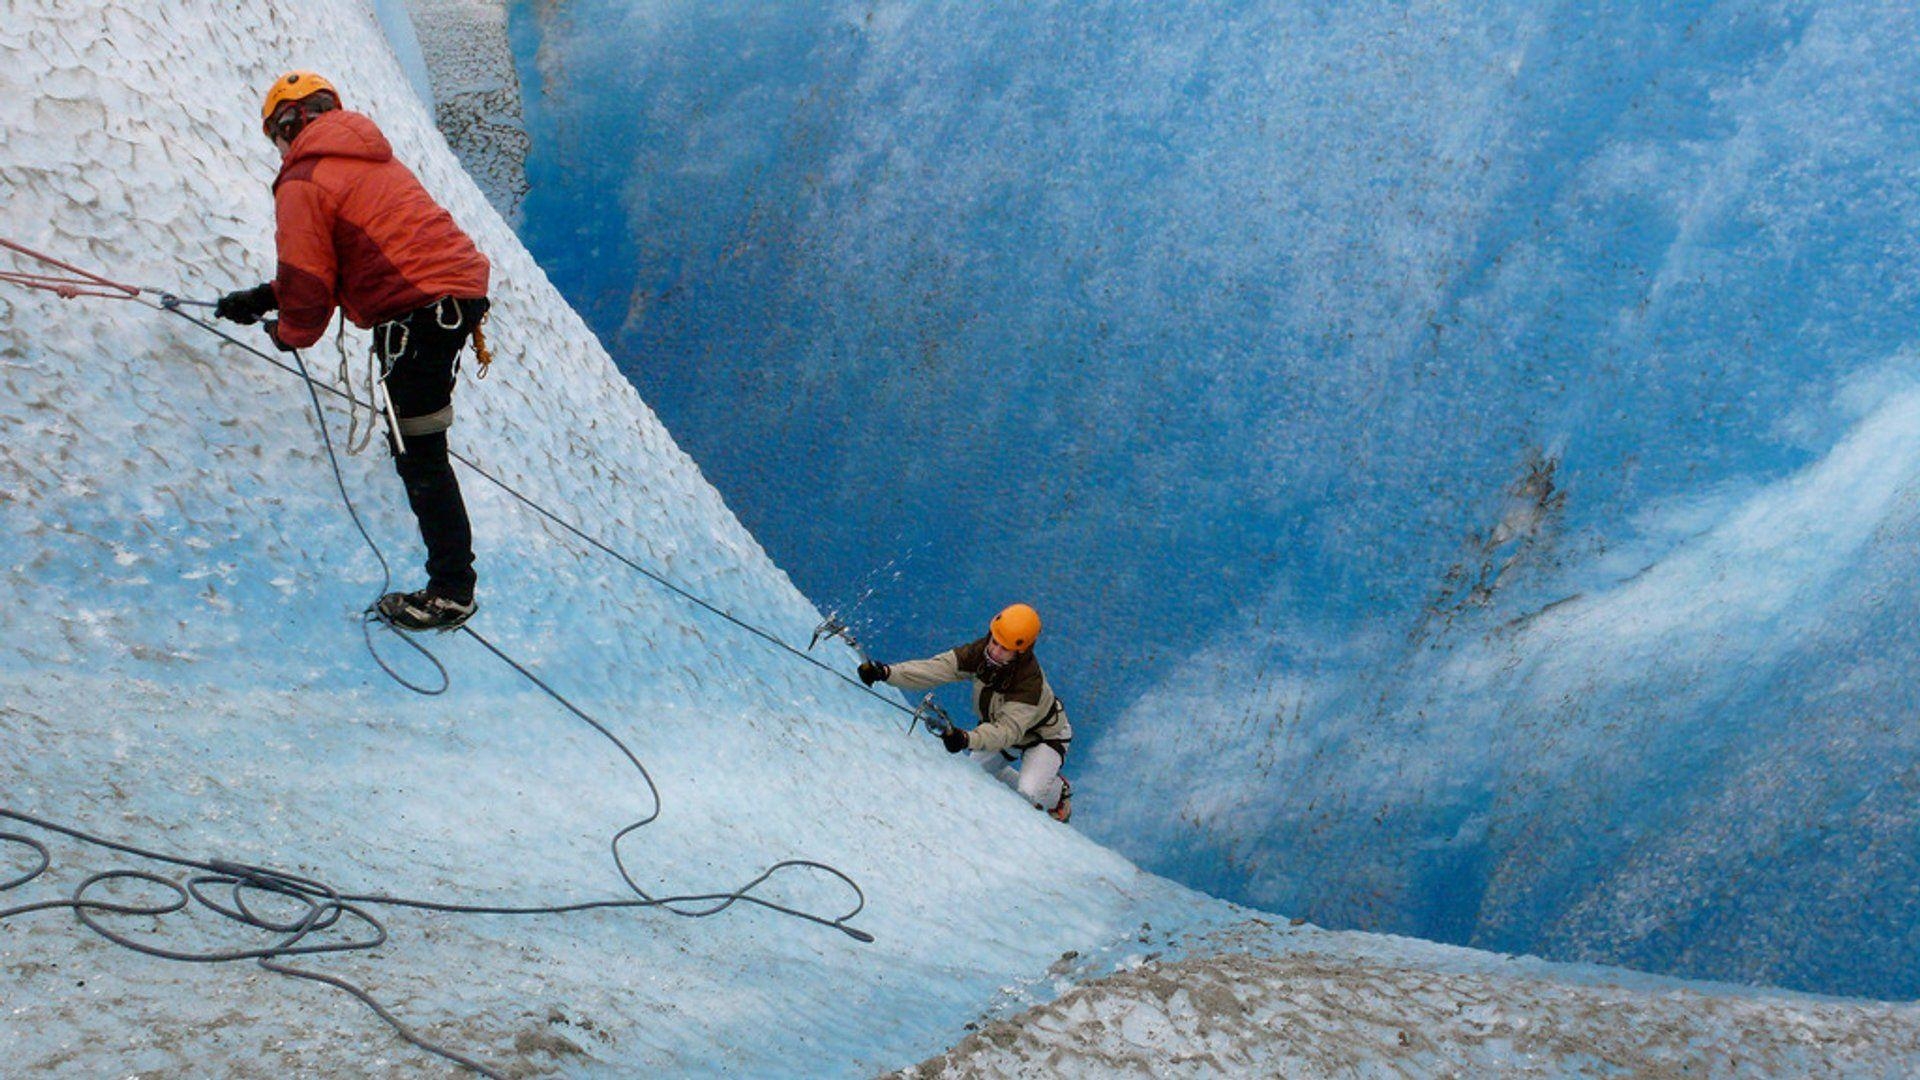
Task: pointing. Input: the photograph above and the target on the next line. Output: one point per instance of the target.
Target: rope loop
(371, 618)
(40, 851)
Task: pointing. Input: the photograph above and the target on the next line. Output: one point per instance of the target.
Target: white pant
(1038, 780)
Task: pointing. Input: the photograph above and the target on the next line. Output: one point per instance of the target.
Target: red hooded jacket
(356, 230)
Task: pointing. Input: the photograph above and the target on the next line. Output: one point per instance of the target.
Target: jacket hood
(339, 133)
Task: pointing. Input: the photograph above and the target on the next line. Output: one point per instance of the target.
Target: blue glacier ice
(1644, 744)
(182, 668)
(1465, 454)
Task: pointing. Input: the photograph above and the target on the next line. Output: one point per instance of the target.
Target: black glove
(273, 335)
(247, 306)
(871, 672)
(954, 739)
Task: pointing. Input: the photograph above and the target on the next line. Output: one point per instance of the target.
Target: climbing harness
(324, 908)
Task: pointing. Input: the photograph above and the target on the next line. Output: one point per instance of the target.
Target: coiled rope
(321, 907)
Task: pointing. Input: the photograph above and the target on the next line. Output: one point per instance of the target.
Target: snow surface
(182, 670)
(1462, 452)
(1256, 1001)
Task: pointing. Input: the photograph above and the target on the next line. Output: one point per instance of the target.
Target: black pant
(420, 383)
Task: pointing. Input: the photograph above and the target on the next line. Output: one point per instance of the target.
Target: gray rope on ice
(322, 908)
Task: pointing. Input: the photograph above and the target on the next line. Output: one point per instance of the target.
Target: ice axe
(932, 715)
(832, 627)
(928, 712)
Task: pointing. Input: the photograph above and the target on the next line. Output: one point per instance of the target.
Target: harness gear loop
(387, 354)
(356, 442)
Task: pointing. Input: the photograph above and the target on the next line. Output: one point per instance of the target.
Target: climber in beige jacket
(1020, 718)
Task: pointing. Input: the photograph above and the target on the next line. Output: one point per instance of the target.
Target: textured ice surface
(182, 666)
(476, 93)
(396, 25)
(1254, 1001)
(1463, 453)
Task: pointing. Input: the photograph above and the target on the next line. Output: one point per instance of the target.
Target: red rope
(80, 283)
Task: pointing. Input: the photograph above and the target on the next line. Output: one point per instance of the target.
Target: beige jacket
(1017, 712)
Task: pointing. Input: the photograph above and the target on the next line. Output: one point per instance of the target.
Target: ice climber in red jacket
(356, 231)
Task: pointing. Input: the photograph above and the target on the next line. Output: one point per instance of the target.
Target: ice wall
(181, 664)
(1340, 380)
(475, 93)
(396, 26)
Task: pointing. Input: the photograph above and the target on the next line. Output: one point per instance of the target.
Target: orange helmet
(1015, 628)
(293, 86)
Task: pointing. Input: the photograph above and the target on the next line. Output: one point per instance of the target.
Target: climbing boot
(1063, 810)
(426, 610)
